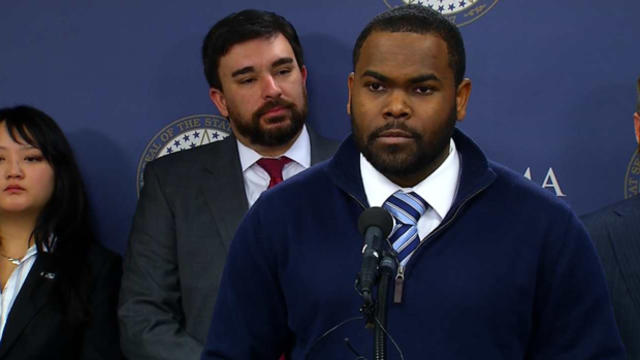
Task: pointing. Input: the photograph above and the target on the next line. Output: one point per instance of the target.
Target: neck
(15, 234)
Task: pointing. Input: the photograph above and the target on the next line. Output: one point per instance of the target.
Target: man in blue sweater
(490, 266)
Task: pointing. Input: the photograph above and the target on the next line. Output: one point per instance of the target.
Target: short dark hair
(65, 216)
(421, 20)
(240, 27)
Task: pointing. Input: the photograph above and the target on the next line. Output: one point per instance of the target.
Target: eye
(424, 90)
(375, 87)
(247, 80)
(34, 158)
(284, 71)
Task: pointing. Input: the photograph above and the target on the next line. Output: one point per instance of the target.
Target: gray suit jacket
(615, 231)
(189, 208)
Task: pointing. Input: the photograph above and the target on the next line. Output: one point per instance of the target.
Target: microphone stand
(387, 269)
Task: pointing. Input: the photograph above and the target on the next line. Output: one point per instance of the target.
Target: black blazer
(36, 328)
(615, 231)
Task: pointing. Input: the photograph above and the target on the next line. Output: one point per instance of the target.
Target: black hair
(240, 27)
(420, 20)
(63, 227)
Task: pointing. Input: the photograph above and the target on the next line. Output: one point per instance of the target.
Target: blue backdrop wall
(553, 83)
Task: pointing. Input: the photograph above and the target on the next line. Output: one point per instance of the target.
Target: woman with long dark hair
(59, 287)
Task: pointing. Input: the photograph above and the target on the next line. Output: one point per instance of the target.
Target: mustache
(396, 125)
(272, 104)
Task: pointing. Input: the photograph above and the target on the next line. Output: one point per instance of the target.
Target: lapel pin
(48, 275)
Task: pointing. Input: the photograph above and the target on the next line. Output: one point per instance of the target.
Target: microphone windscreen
(378, 217)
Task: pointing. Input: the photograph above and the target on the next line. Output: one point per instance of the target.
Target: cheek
(365, 112)
(241, 110)
(294, 91)
(46, 182)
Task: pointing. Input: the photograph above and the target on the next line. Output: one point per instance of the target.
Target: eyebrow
(424, 78)
(249, 69)
(375, 75)
(413, 80)
(244, 70)
(282, 61)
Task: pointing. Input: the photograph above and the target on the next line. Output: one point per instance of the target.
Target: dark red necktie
(274, 167)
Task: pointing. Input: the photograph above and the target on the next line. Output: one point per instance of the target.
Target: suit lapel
(34, 294)
(223, 184)
(223, 188)
(624, 235)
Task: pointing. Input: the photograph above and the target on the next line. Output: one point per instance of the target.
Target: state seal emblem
(632, 178)
(182, 134)
(459, 12)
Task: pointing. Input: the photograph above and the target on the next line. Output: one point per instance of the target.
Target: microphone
(375, 224)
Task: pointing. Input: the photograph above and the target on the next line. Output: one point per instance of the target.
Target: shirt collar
(299, 152)
(31, 251)
(438, 189)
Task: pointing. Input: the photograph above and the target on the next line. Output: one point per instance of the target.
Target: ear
(462, 98)
(636, 124)
(218, 99)
(350, 79)
(303, 72)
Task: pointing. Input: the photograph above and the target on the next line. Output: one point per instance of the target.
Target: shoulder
(321, 148)
(622, 218)
(525, 194)
(192, 158)
(176, 172)
(618, 209)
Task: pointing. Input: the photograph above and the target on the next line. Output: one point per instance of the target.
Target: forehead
(6, 141)
(255, 53)
(404, 54)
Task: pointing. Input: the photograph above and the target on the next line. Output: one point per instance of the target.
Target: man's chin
(277, 134)
(391, 161)
(274, 121)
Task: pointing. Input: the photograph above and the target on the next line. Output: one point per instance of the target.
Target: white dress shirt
(438, 189)
(12, 288)
(256, 179)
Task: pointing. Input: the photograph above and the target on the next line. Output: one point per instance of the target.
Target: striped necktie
(406, 208)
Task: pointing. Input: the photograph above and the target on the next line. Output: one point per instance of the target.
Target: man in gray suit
(615, 231)
(193, 201)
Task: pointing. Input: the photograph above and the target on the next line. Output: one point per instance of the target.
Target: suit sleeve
(250, 316)
(150, 312)
(573, 317)
(101, 335)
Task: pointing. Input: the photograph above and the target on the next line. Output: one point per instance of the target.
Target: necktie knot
(274, 167)
(406, 208)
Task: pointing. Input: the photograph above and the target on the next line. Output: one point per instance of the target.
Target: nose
(270, 88)
(397, 107)
(13, 169)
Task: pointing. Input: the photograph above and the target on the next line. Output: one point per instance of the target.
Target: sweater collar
(475, 174)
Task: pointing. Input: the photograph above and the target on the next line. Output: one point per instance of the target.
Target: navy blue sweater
(509, 274)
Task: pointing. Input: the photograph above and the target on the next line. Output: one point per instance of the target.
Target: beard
(281, 135)
(401, 160)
